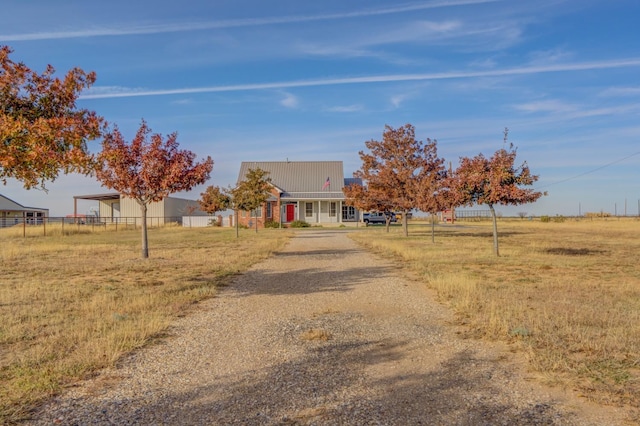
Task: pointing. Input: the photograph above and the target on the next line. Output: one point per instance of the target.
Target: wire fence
(86, 223)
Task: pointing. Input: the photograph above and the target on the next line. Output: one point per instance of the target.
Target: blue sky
(244, 80)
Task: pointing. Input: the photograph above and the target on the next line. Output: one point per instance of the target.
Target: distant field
(566, 294)
(75, 303)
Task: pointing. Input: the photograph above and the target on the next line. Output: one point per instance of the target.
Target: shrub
(559, 219)
(271, 224)
(545, 219)
(299, 224)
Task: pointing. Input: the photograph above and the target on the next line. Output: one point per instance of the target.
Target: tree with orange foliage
(214, 199)
(366, 198)
(41, 131)
(251, 193)
(149, 169)
(392, 172)
(495, 180)
(432, 189)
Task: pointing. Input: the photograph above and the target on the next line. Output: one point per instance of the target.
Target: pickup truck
(377, 217)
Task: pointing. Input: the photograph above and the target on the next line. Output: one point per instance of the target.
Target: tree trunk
(495, 230)
(405, 222)
(433, 228)
(256, 221)
(236, 221)
(145, 241)
(387, 222)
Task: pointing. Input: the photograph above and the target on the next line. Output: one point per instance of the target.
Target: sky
(277, 80)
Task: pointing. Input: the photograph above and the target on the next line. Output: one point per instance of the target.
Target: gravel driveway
(321, 333)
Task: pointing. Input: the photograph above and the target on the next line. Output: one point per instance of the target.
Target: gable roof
(7, 204)
(302, 179)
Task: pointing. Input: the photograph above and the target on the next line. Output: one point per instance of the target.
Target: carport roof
(99, 197)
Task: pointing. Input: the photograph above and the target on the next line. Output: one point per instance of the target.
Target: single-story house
(309, 191)
(114, 208)
(12, 213)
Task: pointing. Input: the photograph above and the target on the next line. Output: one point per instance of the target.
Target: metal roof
(7, 204)
(99, 197)
(323, 179)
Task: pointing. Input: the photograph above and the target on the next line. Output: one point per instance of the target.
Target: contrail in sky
(581, 66)
(232, 23)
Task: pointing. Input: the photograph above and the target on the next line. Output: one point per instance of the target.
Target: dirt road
(321, 333)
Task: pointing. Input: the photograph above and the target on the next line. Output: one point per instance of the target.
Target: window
(269, 212)
(308, 209)
(257, 212)
(332, 209)
(348, 213)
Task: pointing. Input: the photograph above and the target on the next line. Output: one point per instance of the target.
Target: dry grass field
(566, 294)
(71, 304)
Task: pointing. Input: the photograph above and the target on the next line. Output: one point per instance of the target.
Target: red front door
(291, 212)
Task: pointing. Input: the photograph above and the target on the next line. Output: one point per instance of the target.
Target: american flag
(327, 183)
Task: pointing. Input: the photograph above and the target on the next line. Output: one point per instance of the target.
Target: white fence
(202, 221)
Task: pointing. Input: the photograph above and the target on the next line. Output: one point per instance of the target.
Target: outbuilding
(13, 213)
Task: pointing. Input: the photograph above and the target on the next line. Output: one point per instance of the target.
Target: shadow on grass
(570, 251)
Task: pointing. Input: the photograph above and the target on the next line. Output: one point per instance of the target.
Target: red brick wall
(245, 219)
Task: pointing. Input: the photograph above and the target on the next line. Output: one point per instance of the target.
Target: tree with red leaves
(41, 131)
(393, 172)
(368, 198)
(495, 180)
(149, 169)
(432, 188)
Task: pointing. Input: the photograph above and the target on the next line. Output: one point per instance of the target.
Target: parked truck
(378, 217)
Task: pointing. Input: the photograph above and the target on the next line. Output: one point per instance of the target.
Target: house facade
(309, 191)
(114, 208)
(13, 213)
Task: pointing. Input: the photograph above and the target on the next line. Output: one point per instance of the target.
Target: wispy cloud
(620, 91)
(550, 105)
(559, 110)
(289, 101)
(480, 35)
(234, 23)
(98, 92)
(552, 56)
(182, 102)
(397, 100)
(345, 108)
